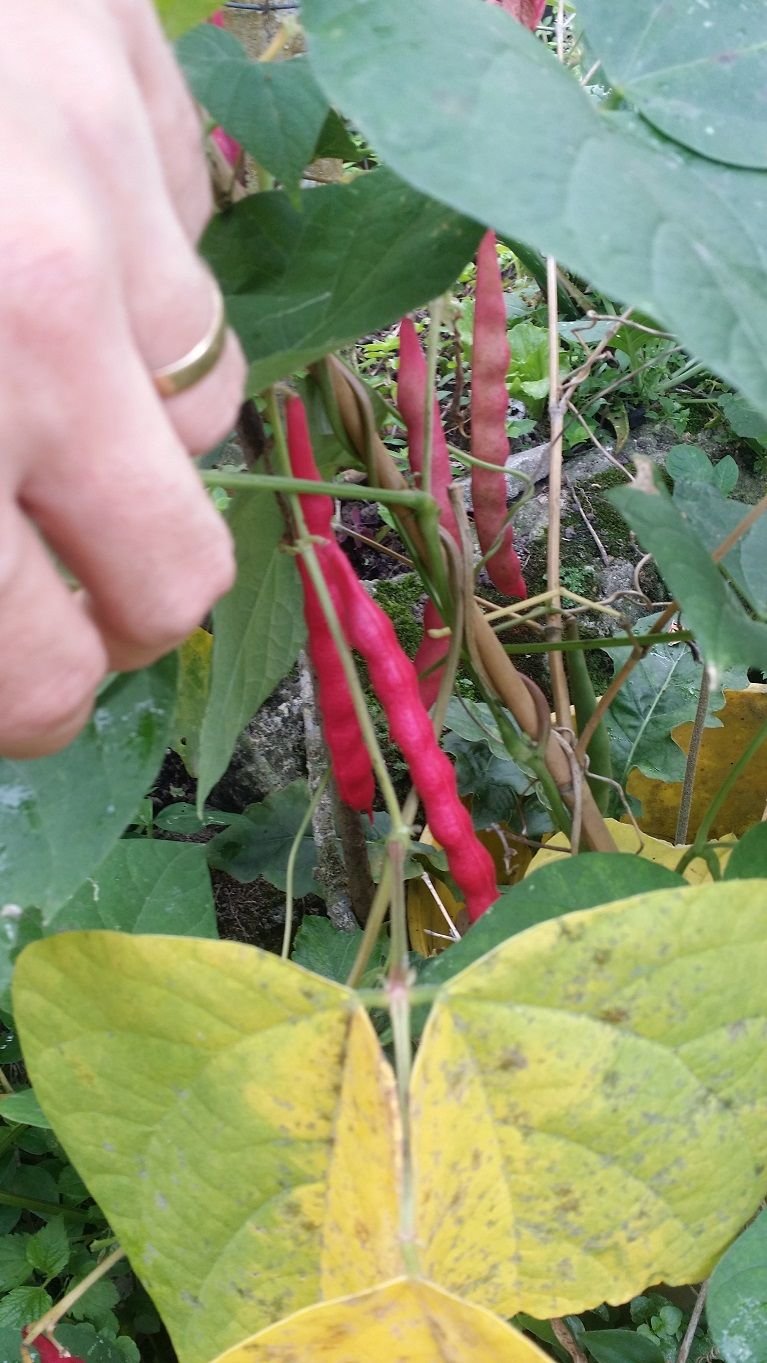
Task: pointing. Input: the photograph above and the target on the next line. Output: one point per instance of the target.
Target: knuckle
(52, 277)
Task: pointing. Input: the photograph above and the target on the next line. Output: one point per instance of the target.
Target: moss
(402, 599)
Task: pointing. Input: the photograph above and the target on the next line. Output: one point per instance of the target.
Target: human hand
(103, 193)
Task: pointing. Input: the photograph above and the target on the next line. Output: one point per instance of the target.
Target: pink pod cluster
(394, 679)
(528, 12)
(489, 441)
(228, 146)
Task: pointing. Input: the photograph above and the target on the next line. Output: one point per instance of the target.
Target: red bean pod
(489, 441)
(528, 12)
(395, 682)
(349, 757)
(411, 401)
(430, 656)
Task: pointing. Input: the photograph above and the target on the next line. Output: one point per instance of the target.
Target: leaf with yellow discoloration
(590, 1102)
(402, 1322)
(197, 1086)
(361, 1230)
(745, 712)
(627, 839)
(195, 660)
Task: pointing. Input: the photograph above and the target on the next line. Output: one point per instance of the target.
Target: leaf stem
(292, 859)
(691, 766)
(733, 775)
(274, 482)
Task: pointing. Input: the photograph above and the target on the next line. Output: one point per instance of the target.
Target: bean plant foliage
(502, 1090)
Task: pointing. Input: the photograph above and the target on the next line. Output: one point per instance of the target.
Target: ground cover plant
(500, 1090)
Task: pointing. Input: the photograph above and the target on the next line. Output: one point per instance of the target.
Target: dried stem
(697, 1312)
(566, 1338)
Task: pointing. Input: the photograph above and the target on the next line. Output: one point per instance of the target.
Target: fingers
(53, 659)
(132, 520)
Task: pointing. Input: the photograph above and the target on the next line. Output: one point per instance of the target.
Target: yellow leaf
(428, 925)
(745, 712)
(196, 1086)
(590, 1102)
(406, 1321)
(361, 1225)
(627, 839)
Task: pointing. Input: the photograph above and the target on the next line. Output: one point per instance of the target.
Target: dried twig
(689, 1334)
(603, 554)
(554, 538)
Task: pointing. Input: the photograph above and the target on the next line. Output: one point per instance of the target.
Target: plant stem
(432, 356)
(293, 857)
(697, 1312)
(691, 766)
(614, 641)
(566, 1338)
(351, 492)
(36, 1204)
(553, 550)
(398, 990)
(51, 1318)
(733, 775)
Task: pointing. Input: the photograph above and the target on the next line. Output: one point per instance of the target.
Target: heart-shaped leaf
(206, 1083)
(590, 1102)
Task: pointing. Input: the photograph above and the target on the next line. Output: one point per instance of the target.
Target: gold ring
(184, 373)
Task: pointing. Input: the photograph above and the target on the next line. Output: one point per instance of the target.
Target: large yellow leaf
(590, 1102)
(402, 1322)
(197, 1087)
(627, 839)
(743, 715)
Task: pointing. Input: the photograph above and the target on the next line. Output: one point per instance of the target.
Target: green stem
(733, 775)
(292, 859)
(34, 1204)
(398, 990)
(432, 356)
(379, 998)
(350, 492)
(618, 641)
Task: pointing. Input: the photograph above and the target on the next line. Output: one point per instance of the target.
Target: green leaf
(259, 842)
(275, 110)
(96, 1304)
(322, 948)
(724, 632)
(145, 885)
(48, 1248)
(179, 15)
(258, 630)
(620, 1346)
(743, 420)
(661, 692)
(345, 261)
(84, 1342)
(556, 889)
(748, 859)
(23, 1108)
(712, 516)
(607, 198)
(17, 929)
(699, 79)
(60, 815)
(195, 659)
(22, 1305)
(336, 142)
(588, 1102)
(736, 1306)
(689, 461)
(15, 1268)
(199, 1088)
(726, 474)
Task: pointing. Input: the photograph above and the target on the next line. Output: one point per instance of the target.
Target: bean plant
(510, 1102)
